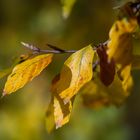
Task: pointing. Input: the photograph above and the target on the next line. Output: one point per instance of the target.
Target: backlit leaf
(120, 44)
(25, 72)
(62, 111)
(77, 71)
(5, 72)
(58, 113)
(125, 76)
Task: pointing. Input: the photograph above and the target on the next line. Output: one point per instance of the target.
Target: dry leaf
(25, 72)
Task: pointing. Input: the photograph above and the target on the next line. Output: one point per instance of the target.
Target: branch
(55, 50)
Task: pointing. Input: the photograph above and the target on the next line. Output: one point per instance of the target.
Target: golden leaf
(62, 111)
(58, 113)
(25, 72)
(124, 74)
(77, 71)
(120, 44)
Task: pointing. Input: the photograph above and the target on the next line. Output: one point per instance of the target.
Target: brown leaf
(107, 69)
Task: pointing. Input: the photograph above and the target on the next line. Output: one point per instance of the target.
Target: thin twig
(55, 50)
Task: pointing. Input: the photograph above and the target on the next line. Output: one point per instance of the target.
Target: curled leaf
(62, 111)
(25, 72)
(58, 113)
(107, 69)
(120, 44)
(124, 74)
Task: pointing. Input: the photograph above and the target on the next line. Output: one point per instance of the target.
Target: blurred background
(22, 114)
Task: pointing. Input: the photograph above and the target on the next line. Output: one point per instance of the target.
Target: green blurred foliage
(22, 115)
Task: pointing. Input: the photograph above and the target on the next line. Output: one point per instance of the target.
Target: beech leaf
(120, 44)
(77, 71)
(125, 76)
(25, 72)
(58, 113)
(107, 69)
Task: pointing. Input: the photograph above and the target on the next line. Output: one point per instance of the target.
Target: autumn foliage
(102, 73)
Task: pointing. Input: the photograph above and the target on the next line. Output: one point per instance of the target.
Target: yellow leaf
(125, 76)
(58, 113)
(77, 71)
(5, 72)
(95, 94)
(62, 111)
(25, 72)
(120, 44)
(67, 6)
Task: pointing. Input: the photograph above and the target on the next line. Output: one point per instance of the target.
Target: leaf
(95, 94)
(67, 6)
(25, 72)
(125, 76)
(77, 71)
(120, 44)
(62, 111)
(107, 69)
(58, 113)
(5, 72)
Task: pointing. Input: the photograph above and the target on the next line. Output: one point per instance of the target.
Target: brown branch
(55, 50)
